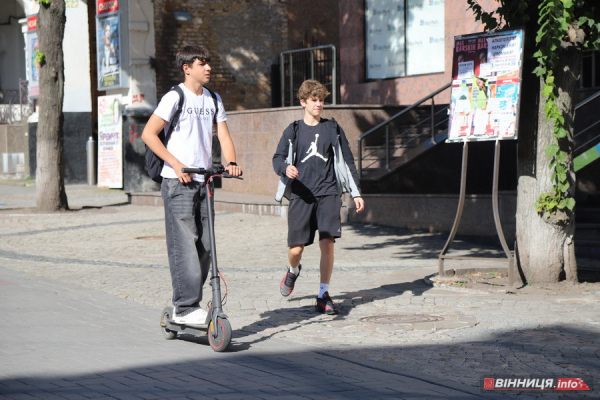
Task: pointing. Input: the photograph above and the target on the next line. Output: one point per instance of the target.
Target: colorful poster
(486, 83)
(110, 142)
(108, 52)
(34, 66)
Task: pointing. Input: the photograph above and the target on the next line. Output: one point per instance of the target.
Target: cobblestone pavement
(389, 315)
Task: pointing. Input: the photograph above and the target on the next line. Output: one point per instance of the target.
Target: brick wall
(256, 134)
(406, 90)
(311, 21)
(244, 37)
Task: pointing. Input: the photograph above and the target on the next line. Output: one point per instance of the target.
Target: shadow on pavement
(407, 372)
(426, 245)
(306, 315)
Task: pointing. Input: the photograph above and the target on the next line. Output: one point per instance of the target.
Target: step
(586, 215)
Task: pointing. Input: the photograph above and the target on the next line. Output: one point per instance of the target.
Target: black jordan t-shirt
(314, 160)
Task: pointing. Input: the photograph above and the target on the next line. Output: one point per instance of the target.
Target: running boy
(184, 195)
(316, 165)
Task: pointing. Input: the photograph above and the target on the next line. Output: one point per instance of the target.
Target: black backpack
(154, 164)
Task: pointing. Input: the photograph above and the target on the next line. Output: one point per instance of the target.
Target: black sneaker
(288, 282)
(326, 305)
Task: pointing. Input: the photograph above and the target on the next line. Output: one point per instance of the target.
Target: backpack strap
(296, 125)
(336, 126)
(175, 119)
(214, 96)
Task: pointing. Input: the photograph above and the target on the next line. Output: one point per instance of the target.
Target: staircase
(587, 168)
(403, 137)
(419, 128)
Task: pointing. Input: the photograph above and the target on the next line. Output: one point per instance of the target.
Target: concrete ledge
(224, 201)
(436, 213)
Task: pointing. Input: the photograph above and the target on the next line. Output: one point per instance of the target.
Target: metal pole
(312, 65)
(333, 75)
(387, 147)
(91, 161)
(461, 204)
(282, 79)
(359, 158)
(497, 215)
(432, 120)
(291, 81)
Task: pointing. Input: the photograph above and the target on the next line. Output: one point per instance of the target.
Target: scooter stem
(215, 280)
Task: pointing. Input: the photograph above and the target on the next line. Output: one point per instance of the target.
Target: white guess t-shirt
(191, 139)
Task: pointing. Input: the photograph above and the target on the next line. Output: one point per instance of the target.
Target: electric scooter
(217, 325)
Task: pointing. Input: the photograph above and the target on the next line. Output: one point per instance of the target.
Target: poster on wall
(110, 142)
(385, 39)
(486, 86)
(34, 66)
(404, 37)
(108, 52)
(425, 36)
(33, 46)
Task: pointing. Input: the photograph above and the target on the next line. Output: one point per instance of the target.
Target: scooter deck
(174, 326)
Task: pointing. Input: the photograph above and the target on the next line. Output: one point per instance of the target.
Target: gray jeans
(188, 242)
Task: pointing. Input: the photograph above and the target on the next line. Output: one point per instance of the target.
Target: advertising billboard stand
(461, 202)
(484, 106)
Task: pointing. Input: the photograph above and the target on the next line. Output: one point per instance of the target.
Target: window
(590, 69)
(404, 37)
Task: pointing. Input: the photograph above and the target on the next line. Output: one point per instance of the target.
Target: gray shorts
(307, 215)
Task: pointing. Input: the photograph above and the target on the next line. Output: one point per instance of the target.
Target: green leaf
(547, 90)
(570, 203)
(551, 150)
(539, 71)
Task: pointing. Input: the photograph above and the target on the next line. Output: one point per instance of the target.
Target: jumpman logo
(312, 150)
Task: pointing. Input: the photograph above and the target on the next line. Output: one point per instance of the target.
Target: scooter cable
(224, 299)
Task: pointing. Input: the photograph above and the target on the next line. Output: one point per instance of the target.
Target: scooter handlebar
(216, 170)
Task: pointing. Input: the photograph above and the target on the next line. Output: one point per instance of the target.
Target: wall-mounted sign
(32, 23)
(486, 83)
(33, 67)
(108, 45)
(110, 142)
(33, 45)
(106, 6)
(403, 37)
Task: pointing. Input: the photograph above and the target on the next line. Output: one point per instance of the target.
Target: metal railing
(409, 136)
(15, 105)
(313, 68)
(594, 139)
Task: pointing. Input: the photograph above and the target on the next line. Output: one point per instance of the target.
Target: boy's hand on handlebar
(182, 176)
(234, 170)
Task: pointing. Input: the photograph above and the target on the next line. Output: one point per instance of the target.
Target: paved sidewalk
(82, 291)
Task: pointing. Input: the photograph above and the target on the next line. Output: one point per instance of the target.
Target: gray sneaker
(289, 280)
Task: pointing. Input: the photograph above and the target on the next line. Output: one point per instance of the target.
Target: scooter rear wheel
(167, 315)
(221, 341)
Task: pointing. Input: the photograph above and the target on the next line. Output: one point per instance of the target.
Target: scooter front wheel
(167, 315)
(221, 340)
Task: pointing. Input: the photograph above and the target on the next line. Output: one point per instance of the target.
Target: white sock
(295, 271)
(322, 289)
